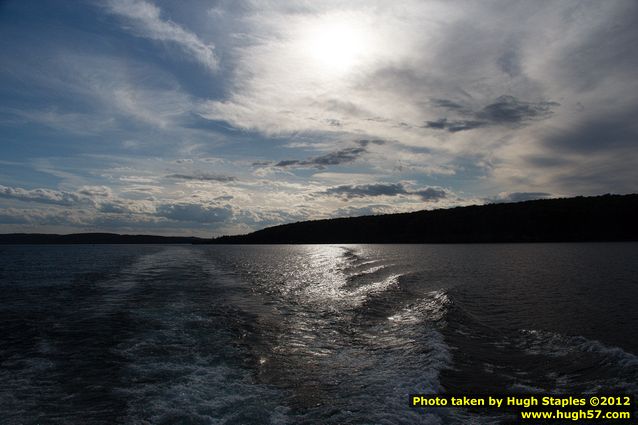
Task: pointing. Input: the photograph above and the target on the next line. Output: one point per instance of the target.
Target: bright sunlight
(337, 47)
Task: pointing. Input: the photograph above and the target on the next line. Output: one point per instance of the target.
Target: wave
(555, 344)
(603, 367)
(433, 308)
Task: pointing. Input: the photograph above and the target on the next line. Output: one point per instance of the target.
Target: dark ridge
(580, 219)
(93, 238)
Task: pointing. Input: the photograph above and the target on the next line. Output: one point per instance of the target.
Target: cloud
(520, 196)
(148, 24)
(46, 196)
(13, 216)
(510, 110)
(97, 206)
(366, 142)
(384, 189)
(505, 110)
(203, 177)
(195, 212)
(341, 178)
(596, 134)
(373, 209)
(51, 216)
(96, 191)
(446, 103)
(341, 156)
(509, 62)
(365, 190)
(89, 199)
(124, 206)
(431, 194)
(454, 126)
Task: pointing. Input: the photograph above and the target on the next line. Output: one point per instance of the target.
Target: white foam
(432, 308)
(369, 271)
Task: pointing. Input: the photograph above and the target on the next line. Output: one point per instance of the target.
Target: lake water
(307, 333)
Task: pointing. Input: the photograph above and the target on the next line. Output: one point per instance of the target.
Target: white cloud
(46, 196)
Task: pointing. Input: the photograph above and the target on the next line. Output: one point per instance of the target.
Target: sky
(221, 117)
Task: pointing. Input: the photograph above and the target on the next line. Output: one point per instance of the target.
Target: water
(308, 333)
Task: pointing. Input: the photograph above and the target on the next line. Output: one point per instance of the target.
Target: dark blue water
(307, 334)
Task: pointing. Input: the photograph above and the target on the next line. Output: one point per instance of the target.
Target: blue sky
(220, 117)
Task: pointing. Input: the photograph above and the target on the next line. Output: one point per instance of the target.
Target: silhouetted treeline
(92, 238)
(580, 219)
(600, 218)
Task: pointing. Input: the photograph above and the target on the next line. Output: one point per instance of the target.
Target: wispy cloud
(203, 177)
(342, 156)
(195, 212)
(144, 19)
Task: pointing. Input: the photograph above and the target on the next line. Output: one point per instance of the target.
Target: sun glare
(337, 47)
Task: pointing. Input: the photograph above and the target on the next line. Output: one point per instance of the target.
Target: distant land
(93, 238)
(579, 219)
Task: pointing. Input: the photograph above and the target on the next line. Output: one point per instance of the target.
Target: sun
(336, 47)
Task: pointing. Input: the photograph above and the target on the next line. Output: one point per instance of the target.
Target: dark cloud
(606, 52)
(431, 194)
(95, 191)
(446, 104)
(384, 189)
(598, 134)
(366, 142)
(338, 157)
(509, 62)
(505, 110)
(195, 212)
(114, 207)
(609, 173)
(464, 125)
(289, 162)
(546, 161)
(203, 177)
(595, 156)
(341, 156)
(454, 126)
(510, 110)
(364, 190)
